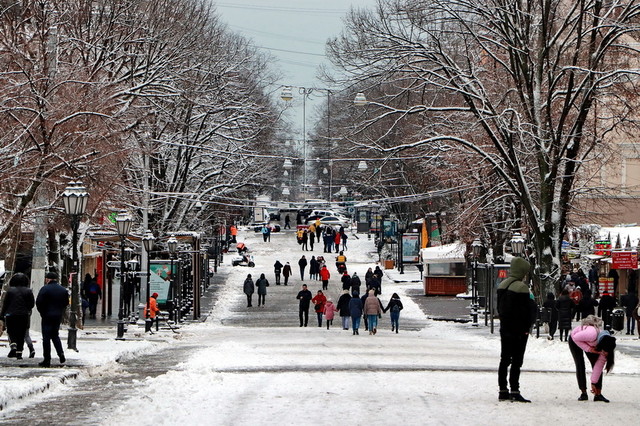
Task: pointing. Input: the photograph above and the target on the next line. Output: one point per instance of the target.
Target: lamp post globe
(517, 244)
(75, 198)
(123, 226)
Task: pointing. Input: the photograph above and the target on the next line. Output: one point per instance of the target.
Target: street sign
(113, 264)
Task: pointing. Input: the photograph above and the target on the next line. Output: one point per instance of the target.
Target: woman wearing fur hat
(599, 347)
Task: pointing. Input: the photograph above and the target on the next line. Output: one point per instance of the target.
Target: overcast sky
(295, 32)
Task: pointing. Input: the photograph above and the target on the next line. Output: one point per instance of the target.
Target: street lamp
(360, 99)
(287, 95)
(148, 241)
(517, 244)
(476, 248)
(75, 198)
(362, 165)
(172, 244)
(402, 227)
(123, 225)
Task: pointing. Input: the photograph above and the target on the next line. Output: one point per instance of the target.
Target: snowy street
(252, 366)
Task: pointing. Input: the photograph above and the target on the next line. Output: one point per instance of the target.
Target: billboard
(624, 260)
(410, 248)
(160, 280)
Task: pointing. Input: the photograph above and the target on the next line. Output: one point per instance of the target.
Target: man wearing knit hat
(51, 302)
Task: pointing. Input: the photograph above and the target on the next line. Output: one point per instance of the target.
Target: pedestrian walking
(341, 262)
(550, 314)
(152, 310)
(324, 276)
(336, 240)
(517, 314)
(318, 229)
(249, 289)
(355, 283)
(92, 293)
(346, 281)
(343, 309)
(286, 273)
(302, 263)
(287, 222)
(277, 270)
(16, 311)
(262, 283)
(266, 233)
(305, 240)
(629, 302)
(605, 309)
(394, 307)
(355, 310)
(373, 311)
(312, 235)
(564, 306)
(314, 268)
(587, 305)
(319, 300)
(51, 302)
(304, 296)
(344, 238)
(636, 316)
(599, 347)
(375, 284)
(329, 312)
(234, 233)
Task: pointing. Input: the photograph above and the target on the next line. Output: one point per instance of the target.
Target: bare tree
(527, 75)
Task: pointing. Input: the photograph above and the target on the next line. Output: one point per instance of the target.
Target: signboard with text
(602, 248)
(605, 285)
(624, 260)
(160, 282)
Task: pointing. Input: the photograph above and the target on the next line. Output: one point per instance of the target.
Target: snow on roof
(632, 232)
(448, 253)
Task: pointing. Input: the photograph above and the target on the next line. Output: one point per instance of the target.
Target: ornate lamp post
(123, 225)
(148, 240)
(172, 244)
(75, 198)
(517, 244)
(476, 247)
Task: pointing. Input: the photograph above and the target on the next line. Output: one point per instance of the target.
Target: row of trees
(154, 104)
(504, 109)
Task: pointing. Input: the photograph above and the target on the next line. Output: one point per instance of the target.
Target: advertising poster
(389, 228)
(410, 248)
(161, 279)
(605, 285)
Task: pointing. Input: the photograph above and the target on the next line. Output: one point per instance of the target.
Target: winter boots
(13, 351)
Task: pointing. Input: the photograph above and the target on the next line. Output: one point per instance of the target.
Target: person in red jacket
(324, 276)
(319, 301)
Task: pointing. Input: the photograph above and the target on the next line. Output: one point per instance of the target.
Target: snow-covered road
(256, 366)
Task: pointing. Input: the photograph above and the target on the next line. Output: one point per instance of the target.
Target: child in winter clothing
(329, 311)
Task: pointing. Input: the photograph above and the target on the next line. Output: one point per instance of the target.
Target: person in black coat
(92, 293)
(51, 302)
(277, 270)
(629, 302)
(355, 283)
(606, 305)
(304, 296)
(587, 305)
(343, 308)
(346, 281)
(394, 306)
(564, 306)
(16, 312)
(314, 268)
(550, 314)
(302, 263)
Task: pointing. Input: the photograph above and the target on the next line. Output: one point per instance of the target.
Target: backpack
(395, 308)
(93, 289)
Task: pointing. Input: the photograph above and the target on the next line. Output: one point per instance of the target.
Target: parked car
(338, 221)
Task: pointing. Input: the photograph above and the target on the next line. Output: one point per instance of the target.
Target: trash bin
(617, 321)
(389, 264)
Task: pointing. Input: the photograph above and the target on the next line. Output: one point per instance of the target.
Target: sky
(295, 33)
(444, 373)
